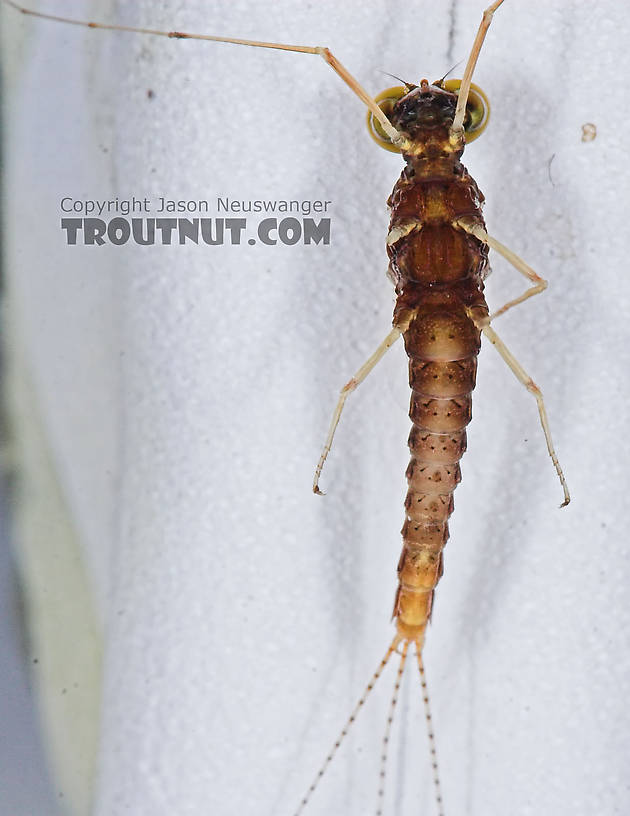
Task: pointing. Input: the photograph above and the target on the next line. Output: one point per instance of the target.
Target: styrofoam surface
(187, 391)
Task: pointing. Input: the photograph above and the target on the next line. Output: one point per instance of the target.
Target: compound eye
(386, 101)
(477, 108)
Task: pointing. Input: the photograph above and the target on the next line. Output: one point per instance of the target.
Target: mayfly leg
(538, 285)
(457, 128)
(524, 378)
(348, 388)
(321, 51)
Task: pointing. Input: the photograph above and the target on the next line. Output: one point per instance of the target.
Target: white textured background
(186, 393)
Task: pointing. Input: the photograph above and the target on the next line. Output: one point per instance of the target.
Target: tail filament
(431, 736)
(392, 648)
(388, 729)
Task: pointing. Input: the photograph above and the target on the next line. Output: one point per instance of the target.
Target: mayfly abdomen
(436, 443)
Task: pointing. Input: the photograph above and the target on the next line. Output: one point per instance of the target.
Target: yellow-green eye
(477, 108)
(386, 101)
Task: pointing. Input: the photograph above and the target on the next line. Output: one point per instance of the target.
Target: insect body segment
(438, 270)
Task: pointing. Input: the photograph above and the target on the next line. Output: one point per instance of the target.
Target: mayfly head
(424, 113)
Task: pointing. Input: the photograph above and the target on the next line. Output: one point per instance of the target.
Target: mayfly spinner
(438, 250)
